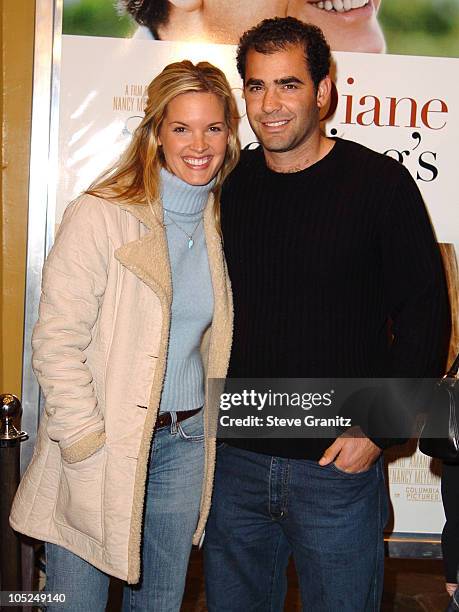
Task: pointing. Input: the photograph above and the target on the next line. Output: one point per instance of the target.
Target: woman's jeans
(171, 514)
(266, 509)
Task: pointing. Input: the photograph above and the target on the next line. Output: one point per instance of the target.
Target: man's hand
(352, 452)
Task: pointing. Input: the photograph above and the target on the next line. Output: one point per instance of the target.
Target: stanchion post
(10, 446)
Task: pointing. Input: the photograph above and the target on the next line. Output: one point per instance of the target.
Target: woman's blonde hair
(134, 178)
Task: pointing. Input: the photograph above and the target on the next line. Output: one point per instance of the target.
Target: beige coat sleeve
(73, 285)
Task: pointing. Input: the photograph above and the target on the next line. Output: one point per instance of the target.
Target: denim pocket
(192, 429)
(336, 469)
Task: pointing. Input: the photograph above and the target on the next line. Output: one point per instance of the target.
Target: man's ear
(187, 5)
(323, 92)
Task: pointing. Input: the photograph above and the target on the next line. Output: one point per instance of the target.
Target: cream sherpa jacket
(100, 348)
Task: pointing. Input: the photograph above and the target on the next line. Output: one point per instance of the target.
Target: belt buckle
(162, 421)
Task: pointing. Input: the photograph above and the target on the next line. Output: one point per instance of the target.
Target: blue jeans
(267, 508)
(454, 602)
(171, 513)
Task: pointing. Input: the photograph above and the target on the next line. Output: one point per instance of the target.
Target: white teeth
(193, 161)
(341, 6)
(276, 123)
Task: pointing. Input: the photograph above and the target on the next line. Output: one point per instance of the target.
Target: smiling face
(348, 25)
(282, 103)
(194, 136)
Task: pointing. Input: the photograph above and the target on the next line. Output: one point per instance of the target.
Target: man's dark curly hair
(276, 34)
(150, 13)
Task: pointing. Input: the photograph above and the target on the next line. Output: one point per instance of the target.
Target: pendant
(190, 243)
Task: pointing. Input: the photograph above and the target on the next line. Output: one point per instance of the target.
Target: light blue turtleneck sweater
(192, 293)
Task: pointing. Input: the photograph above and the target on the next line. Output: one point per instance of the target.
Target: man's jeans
(454, 602)
(266, 508)
(171, 514)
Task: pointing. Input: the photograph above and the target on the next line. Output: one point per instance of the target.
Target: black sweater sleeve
(415, 286)
(417, 302)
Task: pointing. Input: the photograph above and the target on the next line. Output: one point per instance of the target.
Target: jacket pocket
(80, 495)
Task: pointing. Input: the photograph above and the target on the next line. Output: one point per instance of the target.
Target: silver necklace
(189, 236)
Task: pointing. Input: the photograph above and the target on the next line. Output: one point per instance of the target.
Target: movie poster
(395, 90)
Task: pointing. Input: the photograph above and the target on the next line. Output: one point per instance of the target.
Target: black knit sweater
(320, 261)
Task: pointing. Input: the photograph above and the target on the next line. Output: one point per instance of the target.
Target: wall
(17, 39)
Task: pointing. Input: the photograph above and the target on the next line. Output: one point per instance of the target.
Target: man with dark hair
(326, 242)
(278, 34)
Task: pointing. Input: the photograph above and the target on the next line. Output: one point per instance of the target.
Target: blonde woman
(134, 287)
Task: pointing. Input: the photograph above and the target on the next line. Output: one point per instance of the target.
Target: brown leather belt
(165, 419)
